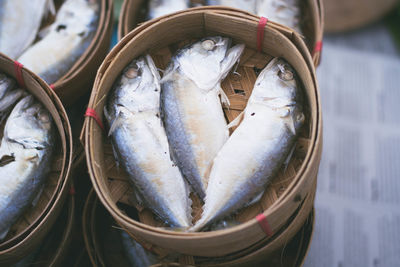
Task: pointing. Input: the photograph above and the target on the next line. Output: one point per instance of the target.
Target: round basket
(99, 228)
(287, 191)
(346, 15)
(30, 229)
(133, 13)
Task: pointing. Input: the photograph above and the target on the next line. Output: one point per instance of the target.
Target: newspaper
(358, 195)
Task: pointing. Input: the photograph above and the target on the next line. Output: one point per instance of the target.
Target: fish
(247, 5)
(19, 24)
(135, 253)
(285, 12)
(191, 105)
(258, 147)
(9, 95)
(158, 8)
(25, 158)
(65, 40)
(140, 143)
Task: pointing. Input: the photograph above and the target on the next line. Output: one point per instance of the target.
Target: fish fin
(236, 121)
(50, 8)
(4, 233)
(43, 32)
(224, 98)
(153, 69)
(36, 199)
(288, 158)
(291, 125)
(232, 56)
(255, 199)
(115, 123)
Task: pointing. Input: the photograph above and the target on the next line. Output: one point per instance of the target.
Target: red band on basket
(52, 86)
(72, 190)
(262, 221)
(92, 113)
(318, 47)
(18, 73)
(260, 32)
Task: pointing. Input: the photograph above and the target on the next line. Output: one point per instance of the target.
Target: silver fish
(25, 156)
(158, 8)
(66, 40)
(285, 12)
(19, 24)
(193, 115)
(141, 146)
(247, 5)
(258, 147)
(9, 95)
(135, 253)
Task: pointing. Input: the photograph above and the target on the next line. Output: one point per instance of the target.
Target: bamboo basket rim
(59, 253)
(93, 203)
(90, 126)
(123, 30)
(65, 135)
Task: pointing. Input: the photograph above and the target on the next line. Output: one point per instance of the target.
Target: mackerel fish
(258, 147)
(19, 24)
(285, 12)
(141, 146)
(66, 40)
(158, 8)
(191, 106)
(25, 157)
(247, 5)
(9, 95)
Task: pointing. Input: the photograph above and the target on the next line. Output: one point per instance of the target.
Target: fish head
(276, 84)
(138, 88)
(29, 124)
(77, 16)
(208, 61)
(277, 87)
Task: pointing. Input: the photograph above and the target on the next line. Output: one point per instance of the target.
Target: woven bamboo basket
(79, 79)
(286, 193)
(100, 229)
(35, 223)
(346, 15)
(133, 12)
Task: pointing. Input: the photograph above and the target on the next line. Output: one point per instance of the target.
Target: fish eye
(285, 74)
(208, 45)
(132, 72)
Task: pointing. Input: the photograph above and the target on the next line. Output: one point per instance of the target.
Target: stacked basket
(312, 21)
(287, 202)
(30, 229)
(98, 225)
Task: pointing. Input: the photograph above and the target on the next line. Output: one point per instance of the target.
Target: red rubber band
(260, 32)
(18, 73)
(92, 113)
(262, 221)
(318, 47)
(51, 86)
(72, 190)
